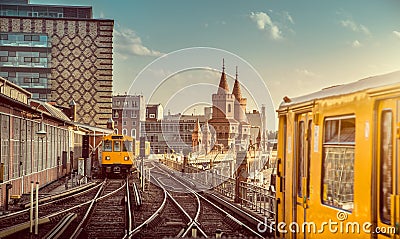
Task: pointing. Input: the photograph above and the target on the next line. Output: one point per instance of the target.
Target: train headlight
(126, 158)
(107, 157)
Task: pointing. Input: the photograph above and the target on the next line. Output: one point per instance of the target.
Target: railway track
(168, 220)
(185, 212)
(108, 217)
(50, 211)
(104, 217)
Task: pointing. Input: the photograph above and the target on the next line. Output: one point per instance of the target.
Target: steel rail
(216, 206)
(152, 217)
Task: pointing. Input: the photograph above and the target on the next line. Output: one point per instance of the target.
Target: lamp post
(253, 145)
(42, 134)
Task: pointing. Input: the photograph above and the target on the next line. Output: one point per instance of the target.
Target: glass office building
(59, 54)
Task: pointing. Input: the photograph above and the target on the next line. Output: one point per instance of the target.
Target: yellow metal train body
(119, 154)
(338, 172)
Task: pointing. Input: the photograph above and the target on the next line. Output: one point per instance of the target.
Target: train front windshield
(115, 146)
(107, 145)
(127, 146)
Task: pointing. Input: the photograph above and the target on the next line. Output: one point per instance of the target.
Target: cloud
(355, 27)
(397, 34)
(127, 42)
(263, 21)
(356, 44)
(288, 17)
(306, 72)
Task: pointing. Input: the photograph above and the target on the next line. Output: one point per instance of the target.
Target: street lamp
(41, 134)
(253, 145)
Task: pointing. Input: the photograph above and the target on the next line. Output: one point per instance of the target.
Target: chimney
(72, 111)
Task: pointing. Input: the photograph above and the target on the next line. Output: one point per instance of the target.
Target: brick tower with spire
(240, 115)
(223, 114)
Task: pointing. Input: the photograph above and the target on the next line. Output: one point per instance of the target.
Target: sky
(173, 49)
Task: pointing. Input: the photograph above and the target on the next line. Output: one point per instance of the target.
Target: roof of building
(360, 85)
(236, 90)
(52, 110)
(94, 129)
(236, 87)
(223, 84)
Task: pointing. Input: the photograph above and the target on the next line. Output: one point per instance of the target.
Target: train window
(117, 146)
(338, 162)
(127, 146)
(300, 165)
(386, 154)
(309, 133)
(107, 147)
(340, 131)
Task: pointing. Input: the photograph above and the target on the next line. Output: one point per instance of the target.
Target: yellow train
(119, 154)
(338, 169)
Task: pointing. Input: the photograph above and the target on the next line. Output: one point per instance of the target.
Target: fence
(256, 198)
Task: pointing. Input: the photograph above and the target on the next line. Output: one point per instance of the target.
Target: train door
(301, 171)
(387, 208)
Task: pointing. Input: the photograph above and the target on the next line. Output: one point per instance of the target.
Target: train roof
(360, 85)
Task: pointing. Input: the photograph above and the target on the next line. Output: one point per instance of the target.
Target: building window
(133, 114)
(115, 131)
(124, 123)
(229, 108)
(124, 132)
(3, 36)
(115, 114)
(133, 123)
(31, 38)
(42, 54)
(12, 54)
(4, 58)
(35, 80)
(115, 123)
(152, 116)
(338, 162)
(133, 133)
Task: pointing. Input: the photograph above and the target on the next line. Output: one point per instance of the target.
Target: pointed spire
(206, 128)
(223, 85)
(197, 126)
(259, 139)
(236, 73)
(236, 87)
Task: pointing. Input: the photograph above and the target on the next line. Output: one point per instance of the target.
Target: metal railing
(259, 199)
(254, 197)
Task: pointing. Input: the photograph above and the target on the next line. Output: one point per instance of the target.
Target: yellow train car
(338, 172)
(117, 156)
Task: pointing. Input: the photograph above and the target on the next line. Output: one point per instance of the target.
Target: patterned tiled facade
(81, 62)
